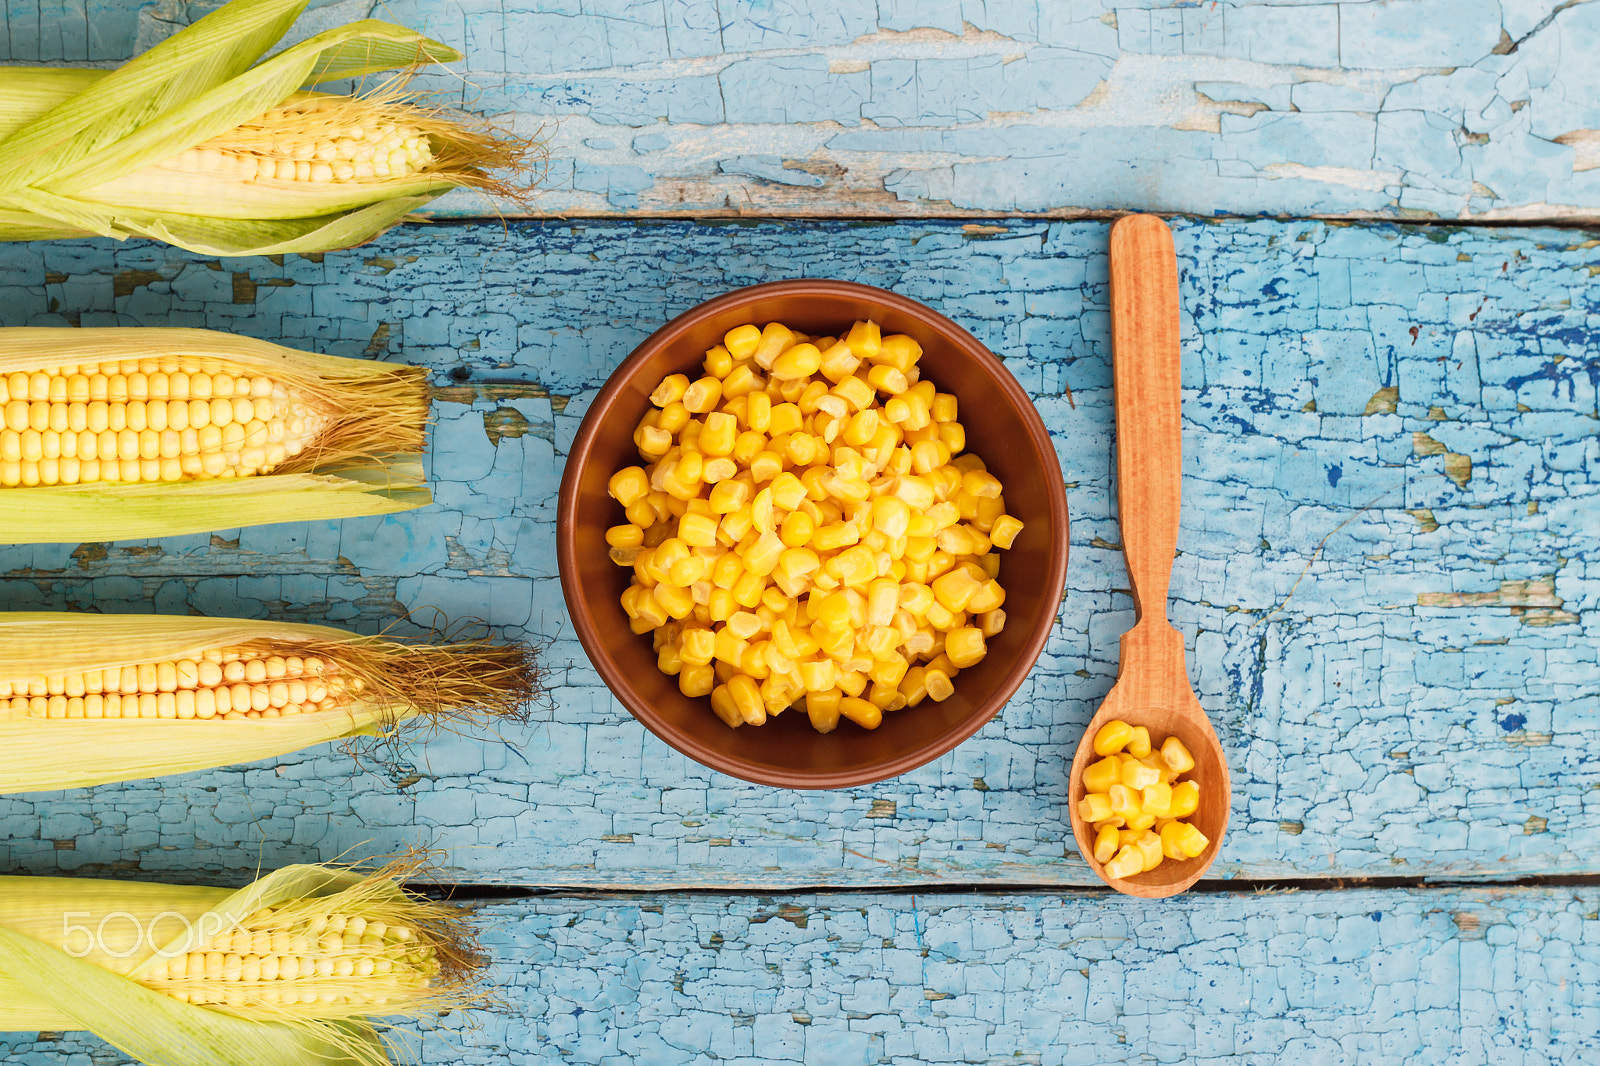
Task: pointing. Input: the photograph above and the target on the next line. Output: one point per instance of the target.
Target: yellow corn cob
(288, 969)
(86, 699)
(178, 407)
(190, 144)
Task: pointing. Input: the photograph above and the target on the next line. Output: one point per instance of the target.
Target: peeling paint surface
(1360, 976)
(1440, 109)
(1400, 658)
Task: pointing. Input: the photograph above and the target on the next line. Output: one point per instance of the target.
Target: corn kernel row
(221, 684)
(1136, 802)
(809, 530)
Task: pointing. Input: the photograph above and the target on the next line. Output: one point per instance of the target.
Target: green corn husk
(382, 687)
(112, 958)
(98, 153)
(365, 460)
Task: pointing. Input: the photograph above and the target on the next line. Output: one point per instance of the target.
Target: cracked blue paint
(1361, 641)
(1426, 978)
(1446, 109)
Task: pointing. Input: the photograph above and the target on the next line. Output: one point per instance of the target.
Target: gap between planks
(489, 893)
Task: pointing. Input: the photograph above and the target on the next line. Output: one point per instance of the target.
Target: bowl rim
(588, 629)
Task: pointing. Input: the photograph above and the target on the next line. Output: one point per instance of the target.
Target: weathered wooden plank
(1335, 978)
(1427, 109)
(1388, 575)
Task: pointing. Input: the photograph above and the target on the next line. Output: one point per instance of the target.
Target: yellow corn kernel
(765, 466)
(729, 648)
(670, 390)
(822, 707)
(674, 599)
(796, 529)
(916, 598)
(865, 339)
(943, 407)
(834, 535)
(629, 485)
(748, 589)
(1128, 862)
(856, 392)
(1157, 799)
(887, 379)
(719, 433)
(888, 671)
(1148, 846)
(1004, 532)
(740, 382)
(728, 496)
(898, 351)
(697, 646)
(833, 612)
(758, 412)
(722, 703)
(762, 557)
(1100, 776)
(940, 687)
(914, 686)
(1136, 775)
(863, 713)
(1094, 807)
(980, 484)
(886, 697)
(891, 516)
(668, 660)
(991, 623)
(747, 699)
(838, 361)
(914, 491)
(696, 679)
(965, 647)
(883, 600)
(774, 340)
(819, 676)
(955, 589)
(1188, 841)
(1105, 844)
(1112, 737)
(741, 341)
(628, 536)
(1185, 799)
(697, 530)
(785, 418)
(987, 599)
(1139, 742)
(1171, 833)
(1124, 801)
(861, 428)
(800, 361)
(702, 396)
(1176, 756)
(854, 566)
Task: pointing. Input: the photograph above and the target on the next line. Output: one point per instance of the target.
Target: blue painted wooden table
(1388, 574)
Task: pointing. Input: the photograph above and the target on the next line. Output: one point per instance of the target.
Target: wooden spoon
(1152, 687)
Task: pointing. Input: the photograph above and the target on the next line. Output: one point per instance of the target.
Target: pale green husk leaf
(43, 986)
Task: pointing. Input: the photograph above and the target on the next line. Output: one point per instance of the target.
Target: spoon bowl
(1152, 687)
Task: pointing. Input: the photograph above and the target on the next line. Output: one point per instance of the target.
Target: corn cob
(117, 433)
(286, 971)
(86, 699)
(192, 145)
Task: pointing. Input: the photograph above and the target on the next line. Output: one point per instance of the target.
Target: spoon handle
(1144, 345)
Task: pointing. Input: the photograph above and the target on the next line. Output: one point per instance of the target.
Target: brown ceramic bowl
(1002, 427)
